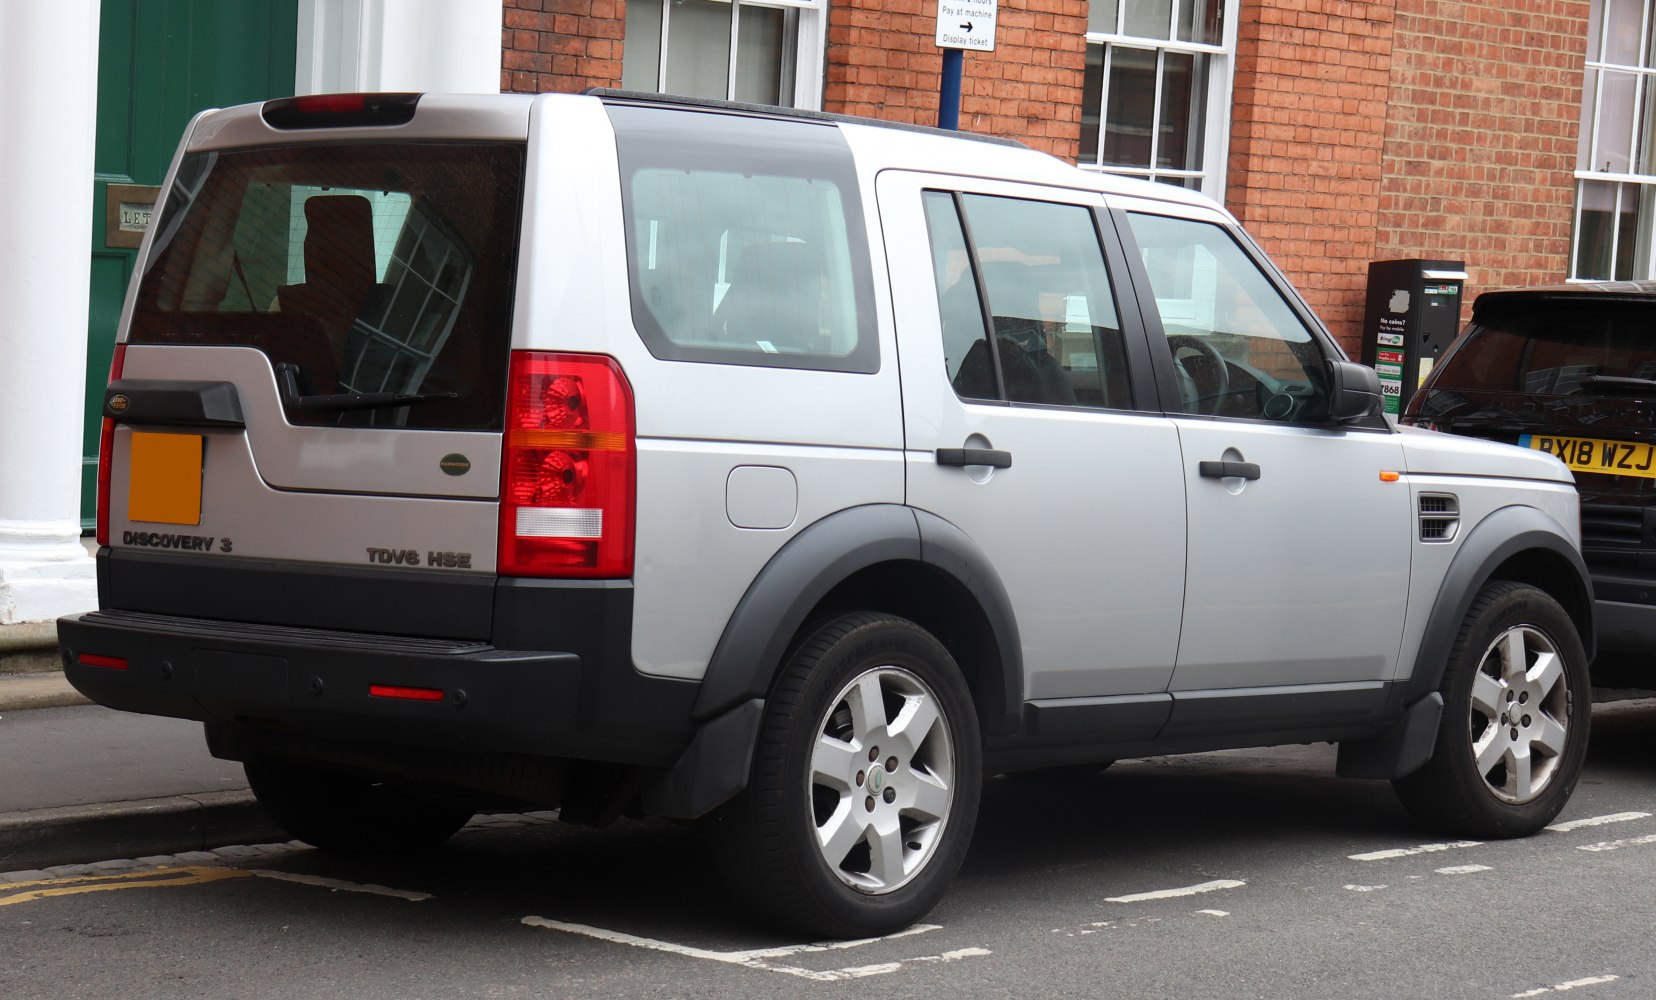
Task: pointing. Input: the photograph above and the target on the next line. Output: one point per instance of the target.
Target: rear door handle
(1228, 470)
(993, 457)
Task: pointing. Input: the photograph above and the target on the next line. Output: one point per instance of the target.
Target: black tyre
(339, 812)
(1516, 714)
(865, 783)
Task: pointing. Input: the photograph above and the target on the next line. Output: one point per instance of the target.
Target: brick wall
(561, 45)
(1308, 126)
(883, 62)
(1480, 149)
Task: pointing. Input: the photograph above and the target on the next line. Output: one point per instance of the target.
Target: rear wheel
(1516, 713)
(865, 783)
(338, 812)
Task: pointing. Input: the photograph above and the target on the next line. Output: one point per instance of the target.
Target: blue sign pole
(948, 97)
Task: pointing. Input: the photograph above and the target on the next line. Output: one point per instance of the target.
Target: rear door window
(357, 268)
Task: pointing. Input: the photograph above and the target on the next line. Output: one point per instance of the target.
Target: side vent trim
(1439, 517)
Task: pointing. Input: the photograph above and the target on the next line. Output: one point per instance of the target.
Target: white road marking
(1576, 824)
(1573, 984)
(340, 885)
(1611, 845)
(1215, 913)
(1365, 888)
(758, 958)
(1463, 869)
(1189, 890)
(1405, 852)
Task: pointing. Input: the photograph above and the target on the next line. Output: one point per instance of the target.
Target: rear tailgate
(314, 371)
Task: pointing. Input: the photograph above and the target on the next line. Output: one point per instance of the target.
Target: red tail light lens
(567, 468)
(106, 444)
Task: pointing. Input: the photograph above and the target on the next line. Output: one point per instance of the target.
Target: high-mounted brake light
(340, 110)
(106, 447)
(567, 468)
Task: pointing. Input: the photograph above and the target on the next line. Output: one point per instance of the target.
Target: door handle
(1228, 470)
(993, 457)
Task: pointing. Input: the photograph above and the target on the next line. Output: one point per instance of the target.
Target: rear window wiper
(1619, 381)
(287, 378)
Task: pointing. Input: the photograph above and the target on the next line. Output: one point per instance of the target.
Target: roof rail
(612, 96)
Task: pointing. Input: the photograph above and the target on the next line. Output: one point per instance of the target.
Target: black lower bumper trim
(471, 696)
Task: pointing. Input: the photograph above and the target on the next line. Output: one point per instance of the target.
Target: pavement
(82, 783)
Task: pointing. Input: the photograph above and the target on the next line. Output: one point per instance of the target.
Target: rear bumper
(587, 704)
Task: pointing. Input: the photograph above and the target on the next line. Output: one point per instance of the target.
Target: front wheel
(865, 783)
(1516, 713)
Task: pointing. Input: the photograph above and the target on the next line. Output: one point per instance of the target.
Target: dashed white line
(1214, 913)
(1463, 869)
(1189, 890)
(1612, 845)
(340, 885)
(1365, 888)
(1406, 852)
(1576, 824)
(1573, 984)
(759, 958)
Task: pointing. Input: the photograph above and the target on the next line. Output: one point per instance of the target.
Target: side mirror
(1353, 391)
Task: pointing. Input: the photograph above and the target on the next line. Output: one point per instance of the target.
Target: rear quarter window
(368, 267)
(745, 241)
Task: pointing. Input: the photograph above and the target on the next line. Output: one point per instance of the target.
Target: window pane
(1612, 148)
(1149, 18)
(760, 45)
(1621, 21)
(1130, 115)
(1056, 333)
(1647, 127)
(1202, 21)
(641, 53)
(965, 338)
(1092, 95)
(1593, 230)
(698, 49)
(1627, 236)
(1584, 141)
(1101, 16)
(1184, 86)
(1238, 348)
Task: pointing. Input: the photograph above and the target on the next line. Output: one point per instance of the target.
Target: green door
(159, 62)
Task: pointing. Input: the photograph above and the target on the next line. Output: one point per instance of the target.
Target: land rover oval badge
(118, 403)
(454, 465)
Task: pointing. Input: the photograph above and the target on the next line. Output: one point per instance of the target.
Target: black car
(1571, 370)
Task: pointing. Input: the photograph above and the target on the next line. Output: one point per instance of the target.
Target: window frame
(1641, 145)
(1215, 135)
(804, 48)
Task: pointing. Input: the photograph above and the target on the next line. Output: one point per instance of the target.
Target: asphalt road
(1310, 887)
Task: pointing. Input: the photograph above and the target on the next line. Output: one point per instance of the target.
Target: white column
(49, 51)
(440, 46)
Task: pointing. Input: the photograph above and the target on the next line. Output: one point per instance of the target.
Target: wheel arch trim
(820, 557)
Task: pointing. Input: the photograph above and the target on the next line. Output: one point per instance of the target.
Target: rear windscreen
(357, 268)
(1557, 349)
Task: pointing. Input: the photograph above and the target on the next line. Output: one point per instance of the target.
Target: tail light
(567, 468)
(106, 445)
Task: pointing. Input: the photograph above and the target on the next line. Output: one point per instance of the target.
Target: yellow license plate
(164, 485)
(1611, 458)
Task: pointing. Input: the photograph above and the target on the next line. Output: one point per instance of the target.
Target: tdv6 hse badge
(411, 557)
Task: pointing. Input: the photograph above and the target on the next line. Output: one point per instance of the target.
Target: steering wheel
(1204, 367)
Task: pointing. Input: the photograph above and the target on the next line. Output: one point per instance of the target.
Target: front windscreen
(380, 270)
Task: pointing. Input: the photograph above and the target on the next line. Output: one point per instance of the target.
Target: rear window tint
(371, 268)
(745, 242)
(1555, 349)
